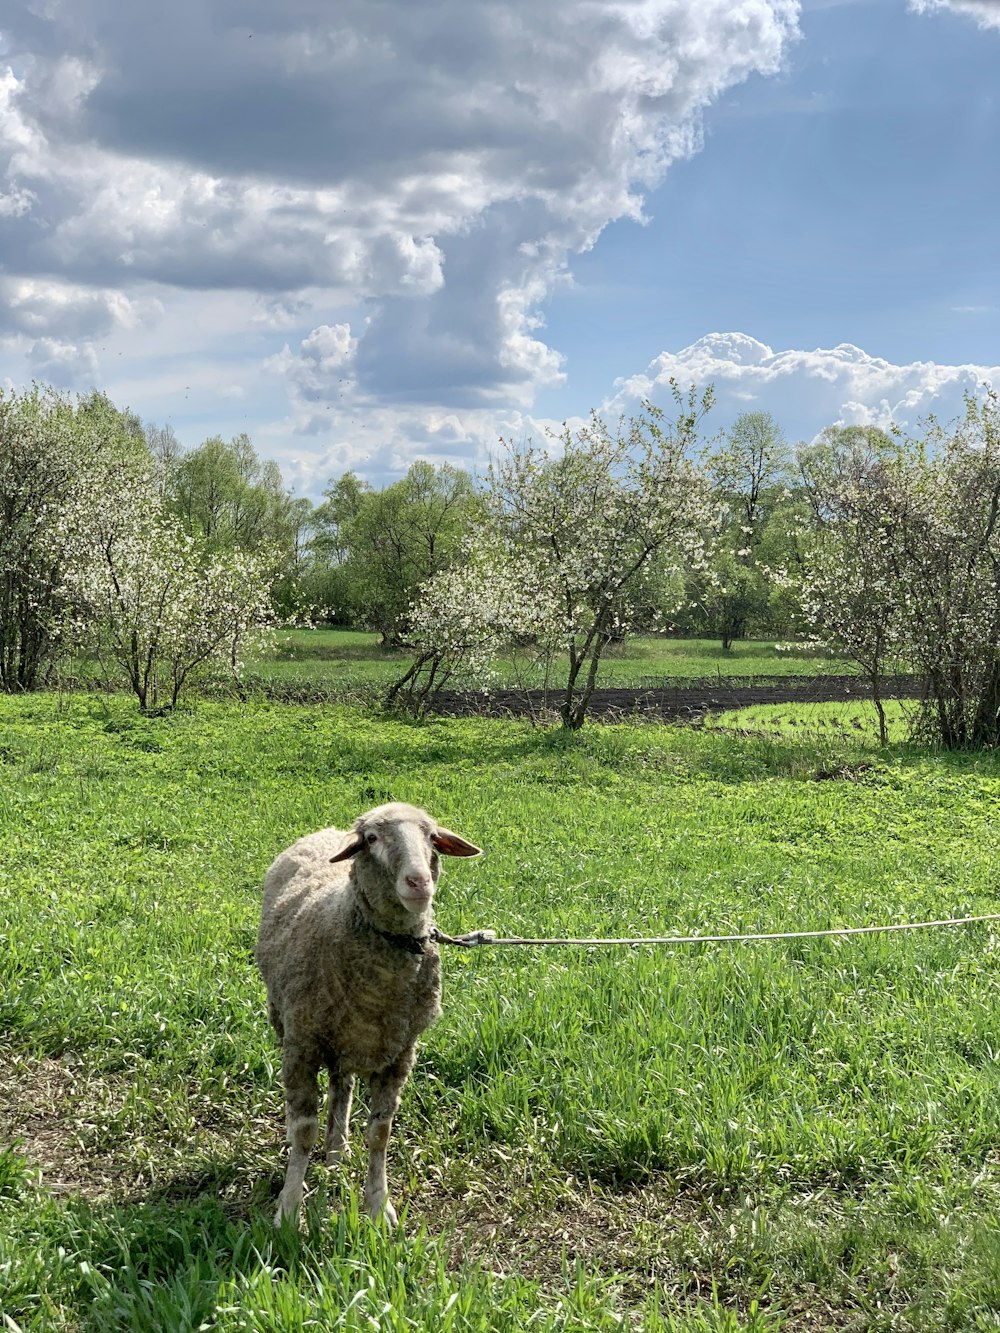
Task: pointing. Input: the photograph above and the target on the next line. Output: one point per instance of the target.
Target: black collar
(411, 943)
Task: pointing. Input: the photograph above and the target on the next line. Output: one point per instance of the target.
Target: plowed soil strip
(673, 703)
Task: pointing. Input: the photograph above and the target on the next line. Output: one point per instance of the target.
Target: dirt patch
(46, 1111)
(645, 1239)
(63, 1119)
(675, 703)
(507, 1231)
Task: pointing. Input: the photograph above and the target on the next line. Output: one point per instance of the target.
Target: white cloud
(985, 12)
(67, 365)
(438, 163)
(38, 307)
(55, 326)
(805, 390)
(320, 442)
(322, 363)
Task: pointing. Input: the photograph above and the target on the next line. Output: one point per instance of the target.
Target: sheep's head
(407, 844)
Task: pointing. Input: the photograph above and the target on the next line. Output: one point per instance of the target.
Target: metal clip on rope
(470, 941)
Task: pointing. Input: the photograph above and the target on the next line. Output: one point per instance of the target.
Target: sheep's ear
(450, 844)
(350, 850)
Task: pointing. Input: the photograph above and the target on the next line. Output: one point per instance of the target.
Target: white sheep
(353, 977)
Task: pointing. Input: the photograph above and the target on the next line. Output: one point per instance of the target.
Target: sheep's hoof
(381, 1210)
(287, 1212)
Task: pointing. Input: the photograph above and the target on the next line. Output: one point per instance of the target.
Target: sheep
(349, 956)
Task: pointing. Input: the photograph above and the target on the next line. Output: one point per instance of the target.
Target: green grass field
(819, 723)
(333, 661)
(796, 1136)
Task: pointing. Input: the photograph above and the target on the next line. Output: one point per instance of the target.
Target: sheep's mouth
(415, 899)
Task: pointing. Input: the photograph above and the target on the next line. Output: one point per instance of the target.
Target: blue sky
(852, 198)
(418, 227)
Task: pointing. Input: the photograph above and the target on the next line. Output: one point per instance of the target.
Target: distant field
(346, 659)
(799, 1136)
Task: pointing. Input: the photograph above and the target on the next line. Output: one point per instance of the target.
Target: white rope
(477, 938)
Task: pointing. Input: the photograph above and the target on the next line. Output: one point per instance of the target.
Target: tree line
(162, 562)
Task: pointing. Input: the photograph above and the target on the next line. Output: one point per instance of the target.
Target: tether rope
(477, 938)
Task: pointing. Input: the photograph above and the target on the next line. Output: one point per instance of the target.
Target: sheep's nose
(419, 883)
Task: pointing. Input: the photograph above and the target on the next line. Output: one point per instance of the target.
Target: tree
(854, 477)
(88, 557)
(749, 472)
(386, 543)
(166, 451)
(904, 563)
(330, 581)
(58, 457)
(292, 593)
(160, 605)
(223, 494)
(597, 519)
(948, 572)
(231, 501)
(463, 617)
(333, 518)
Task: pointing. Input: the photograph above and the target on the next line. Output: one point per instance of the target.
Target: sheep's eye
(370, 838)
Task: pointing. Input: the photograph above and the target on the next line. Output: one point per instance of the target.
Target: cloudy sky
(375, 230)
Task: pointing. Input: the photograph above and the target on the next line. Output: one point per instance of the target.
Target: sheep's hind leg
(385, 1090)
(338, 1116)
(299, 1070)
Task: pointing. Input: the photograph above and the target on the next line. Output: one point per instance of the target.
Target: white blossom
(581, 536)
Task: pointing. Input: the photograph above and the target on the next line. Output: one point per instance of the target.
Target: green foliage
(750, 472)
(756, 1137)
(232, 502)
(330, 579)
(225, 495)
(373, 548)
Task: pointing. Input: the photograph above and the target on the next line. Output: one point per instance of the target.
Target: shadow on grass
(183, 1258)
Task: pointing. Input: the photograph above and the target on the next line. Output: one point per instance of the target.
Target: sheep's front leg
(338, 1116)
(299, 1068)
(385, 1091)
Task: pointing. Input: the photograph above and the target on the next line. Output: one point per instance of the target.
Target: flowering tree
(855, 477)
(159, 605)
(903, 564)
(597, 521)
(463, 617)
(948, 570)
(56, 456)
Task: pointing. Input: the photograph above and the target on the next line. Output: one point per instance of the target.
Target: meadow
(310, 663)
(755, 1137)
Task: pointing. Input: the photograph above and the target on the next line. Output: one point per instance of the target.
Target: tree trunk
(567, 709)
(574, 707)
(986, 726)
(875, 679)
